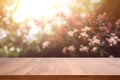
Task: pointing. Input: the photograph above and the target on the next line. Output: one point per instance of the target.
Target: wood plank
(45, 66)
(16, 66)
(83, 66)
(59, 66)
(58, 77)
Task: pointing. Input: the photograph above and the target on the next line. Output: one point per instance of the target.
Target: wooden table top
(59, 66)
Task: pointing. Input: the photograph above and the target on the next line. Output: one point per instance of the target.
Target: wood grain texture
(58, 77)
(59, 66)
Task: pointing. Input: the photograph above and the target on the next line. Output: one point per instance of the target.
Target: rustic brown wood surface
(59, 66)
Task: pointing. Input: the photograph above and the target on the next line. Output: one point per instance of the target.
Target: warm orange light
(40, 9)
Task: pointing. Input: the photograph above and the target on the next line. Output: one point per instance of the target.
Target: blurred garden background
(59, 28)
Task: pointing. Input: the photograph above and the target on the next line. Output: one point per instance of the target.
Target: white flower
(3, 34)
(117, 38)
(45, 44)
(12, 49)
(35, 30)
(75, 30)
(84, 34)
(94, 49)
(79, 37)
(58, 22)
(86, 28)
(48, 29)
(64, 50)
(113, 40)
(112, 34)
(84, 48)
(18, 50)
(94, 41)
(29, 38)
(70, 33)
(71, 48)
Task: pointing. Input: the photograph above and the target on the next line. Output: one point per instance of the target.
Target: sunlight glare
(95, 1)
(40, 8)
